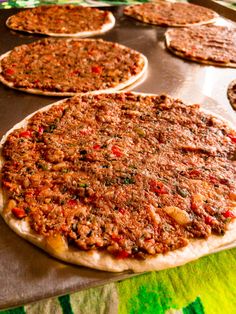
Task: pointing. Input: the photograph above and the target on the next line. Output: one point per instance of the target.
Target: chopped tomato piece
(229, 214)
(64, 228)
(158, 187)
(232, 137)
(26, 134)
(122, 211)
(194, 172)
(10, 71)
(209, 220)
(213, 179)
(96, 147)
(122, 254)
(193, 206)
(19, 212)
(224, 181)
(116, 151)
(59, 20)
(72, 202)
(40, 130)
(117, 238)
(85, 132)
(96, 69)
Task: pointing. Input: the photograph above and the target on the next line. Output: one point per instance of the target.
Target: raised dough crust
(231, 94)
(105, 27)
(183, 56)
(103, 261)
(133, 79)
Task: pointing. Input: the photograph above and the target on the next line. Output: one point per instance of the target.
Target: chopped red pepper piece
(40, 130)
(122, 254)
(193, 206)
(209, 220)
(122, 211)
(195, 172)
(96, 69)
(85, 132)
(117, 238)
(224, 181)
(232, 137)
(158, 187)
(26, 134)
(213, 179)
(19, 212)
(10, 71)
(72, 202)
(229, 214)
(96, 147)
(116, 151)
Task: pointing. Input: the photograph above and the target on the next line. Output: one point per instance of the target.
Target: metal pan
(27, 274)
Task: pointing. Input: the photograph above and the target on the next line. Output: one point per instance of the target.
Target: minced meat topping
(59, 19)
(128, 174)
(170, 14)
(71, 65)
(208, 43)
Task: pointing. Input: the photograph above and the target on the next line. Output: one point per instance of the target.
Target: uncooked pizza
(65, 67)
(171, 14)
(209, 44)
(231, 93)
(62, 20)
(121, 181)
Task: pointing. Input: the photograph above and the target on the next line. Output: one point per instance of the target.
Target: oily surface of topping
(128, 174)
(170, 14)
(204, 43)
(67, 19)
(70, 65)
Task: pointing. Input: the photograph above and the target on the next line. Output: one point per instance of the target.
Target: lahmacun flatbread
(207, 44)
(171, 14)
(231, 93)
(65, 67)
(62, 21)
(121, 181)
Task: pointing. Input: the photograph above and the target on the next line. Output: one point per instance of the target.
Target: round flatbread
(121, 181)
(208, 44)
(171, 14)
(65, 67)
(62, 21)
(231, 93)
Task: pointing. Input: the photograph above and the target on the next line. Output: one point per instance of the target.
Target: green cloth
(32, 3)
(204, 286)
(207, 285)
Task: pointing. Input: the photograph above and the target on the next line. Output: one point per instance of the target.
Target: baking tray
(28, 274)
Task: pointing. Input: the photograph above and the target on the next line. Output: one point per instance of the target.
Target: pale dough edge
(101, 260)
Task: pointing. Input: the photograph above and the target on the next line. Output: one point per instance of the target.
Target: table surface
(189, 81)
